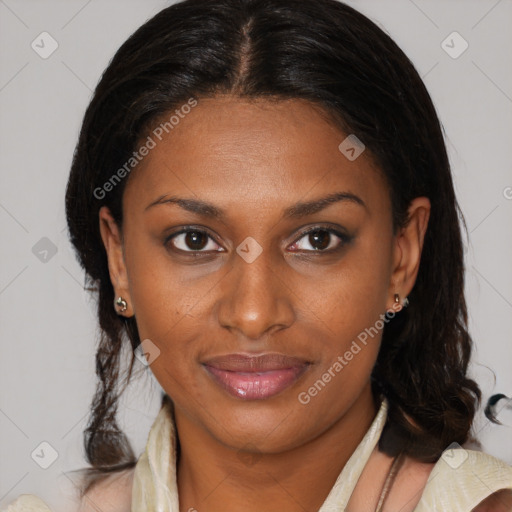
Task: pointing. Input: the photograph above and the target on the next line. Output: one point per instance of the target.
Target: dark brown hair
(326, 53)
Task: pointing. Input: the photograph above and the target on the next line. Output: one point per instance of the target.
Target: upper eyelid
(337, 231)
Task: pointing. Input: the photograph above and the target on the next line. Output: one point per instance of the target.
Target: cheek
(166, 307)
(167, 314)
(350, 334)
(352, 295)
(163, 293)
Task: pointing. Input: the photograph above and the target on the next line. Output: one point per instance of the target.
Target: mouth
(255, 377)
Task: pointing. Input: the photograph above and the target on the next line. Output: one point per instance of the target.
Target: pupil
(318, 239)
(193, 240)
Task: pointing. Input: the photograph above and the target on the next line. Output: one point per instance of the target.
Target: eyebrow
(298, 210)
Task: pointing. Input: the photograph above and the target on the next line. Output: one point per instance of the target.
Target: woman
(262, 197)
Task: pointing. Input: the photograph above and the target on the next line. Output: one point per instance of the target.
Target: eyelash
(344, 240)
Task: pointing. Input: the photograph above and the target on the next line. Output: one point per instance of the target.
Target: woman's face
(247, 281)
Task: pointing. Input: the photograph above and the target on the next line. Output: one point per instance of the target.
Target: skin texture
(253, 160)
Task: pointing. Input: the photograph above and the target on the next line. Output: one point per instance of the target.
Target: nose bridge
(254, 300)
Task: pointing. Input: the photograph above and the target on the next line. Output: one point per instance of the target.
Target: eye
(321, 239)
(318, 239)
(192, 240)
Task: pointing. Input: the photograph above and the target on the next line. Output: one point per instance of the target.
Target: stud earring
(404, 303)
(120, 304)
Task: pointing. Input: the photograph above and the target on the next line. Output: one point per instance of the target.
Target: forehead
(234, 151)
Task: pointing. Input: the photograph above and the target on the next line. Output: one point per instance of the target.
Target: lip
(255, 377)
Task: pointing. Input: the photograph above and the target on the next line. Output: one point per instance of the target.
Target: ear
(408, 245)
(112, 240)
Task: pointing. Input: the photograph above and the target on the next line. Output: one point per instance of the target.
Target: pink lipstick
(255, 377)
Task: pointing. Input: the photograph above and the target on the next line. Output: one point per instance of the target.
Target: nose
(255, 300)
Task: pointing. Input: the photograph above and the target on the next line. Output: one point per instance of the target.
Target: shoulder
(464, 479)
(111, 494)
(27, 503)
(461, 466)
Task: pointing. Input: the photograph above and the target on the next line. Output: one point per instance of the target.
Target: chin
(270, 427)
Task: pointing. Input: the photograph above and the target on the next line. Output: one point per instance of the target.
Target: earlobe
(409, 243)
(112, 241)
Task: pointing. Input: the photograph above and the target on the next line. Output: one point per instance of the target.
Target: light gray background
(48, 323)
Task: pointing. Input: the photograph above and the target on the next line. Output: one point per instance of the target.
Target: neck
(215, 477)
